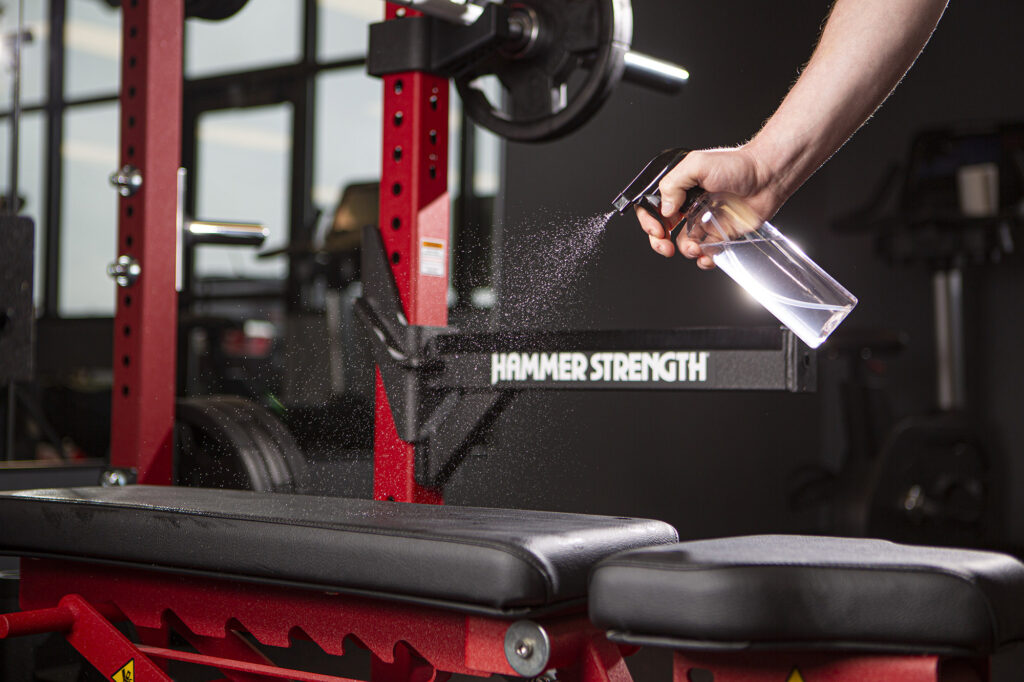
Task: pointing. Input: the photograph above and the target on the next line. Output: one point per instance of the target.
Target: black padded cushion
(468, 557)
(799, 591)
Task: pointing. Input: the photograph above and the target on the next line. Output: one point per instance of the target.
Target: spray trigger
(643, 191)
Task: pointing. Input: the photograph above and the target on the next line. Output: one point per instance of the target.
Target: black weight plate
(580, 50)
(266, 454)
(213, 10)
(215, 451)
(226, 441)
(271, 435)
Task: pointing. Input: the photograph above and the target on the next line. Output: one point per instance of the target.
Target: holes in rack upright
(433, 102)
(131, 150)
(396, 257)
(433, 136)
(127, 331)
(399, 85)
(396, 188)
(396, 223)
(433, 172)
(125, 391)
(399, 117)
(128, 300)
(129, 210)
(129, 240)
(396, 154)
(131, 121)
(126, 360)
(133, 31)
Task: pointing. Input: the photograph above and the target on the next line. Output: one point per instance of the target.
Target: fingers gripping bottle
(770, 267)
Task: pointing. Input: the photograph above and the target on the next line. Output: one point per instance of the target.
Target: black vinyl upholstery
(809, 592)
(473, 558)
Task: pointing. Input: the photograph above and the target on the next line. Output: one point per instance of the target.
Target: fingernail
(667, 208)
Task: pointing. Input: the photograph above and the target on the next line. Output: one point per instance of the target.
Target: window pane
(92, 41)
(264, 33)
(347, 151)
(33, 52)
(343, 26)
(30, 180)
(243, 174)
(88, 210)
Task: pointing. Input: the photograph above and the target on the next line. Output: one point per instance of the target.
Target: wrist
(772, 167)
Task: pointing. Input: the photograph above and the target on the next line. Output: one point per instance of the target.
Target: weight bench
(798, 608)
(429, 590)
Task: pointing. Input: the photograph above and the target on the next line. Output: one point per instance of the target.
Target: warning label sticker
(126, 673)
(433, 257)
(795, 676)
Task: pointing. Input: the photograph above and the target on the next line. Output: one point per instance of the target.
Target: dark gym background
(720, 464)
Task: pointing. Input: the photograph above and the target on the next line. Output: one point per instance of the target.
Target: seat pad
(470, 558)
(776, 591)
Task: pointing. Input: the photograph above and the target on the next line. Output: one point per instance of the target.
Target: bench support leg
(808, 667)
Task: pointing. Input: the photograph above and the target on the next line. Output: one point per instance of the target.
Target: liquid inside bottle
(770, 267)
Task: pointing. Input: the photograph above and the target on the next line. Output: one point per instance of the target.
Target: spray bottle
(759, 258)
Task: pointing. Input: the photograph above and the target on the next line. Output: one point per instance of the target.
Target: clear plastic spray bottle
(770, 267)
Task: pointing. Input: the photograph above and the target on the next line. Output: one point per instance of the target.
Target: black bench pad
(799, 591)
(466, 557)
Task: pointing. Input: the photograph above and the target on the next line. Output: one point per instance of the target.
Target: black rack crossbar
(760, 358)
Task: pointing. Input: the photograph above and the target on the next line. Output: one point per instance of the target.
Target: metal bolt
(112, 478)
(128, 180)
(524, 648)
(914, 499)
(125, 270)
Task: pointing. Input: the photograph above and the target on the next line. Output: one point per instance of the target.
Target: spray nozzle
(643, 191)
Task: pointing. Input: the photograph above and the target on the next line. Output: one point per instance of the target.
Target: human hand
(735, 170)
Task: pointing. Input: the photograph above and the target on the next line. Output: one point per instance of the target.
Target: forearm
(865, 49)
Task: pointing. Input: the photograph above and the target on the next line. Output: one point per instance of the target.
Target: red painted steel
(145, 325)
(812, 667)
(42, 621)
(406, 667)
(273, 615)
(414, 210)
(105, 647)
(232, 646)
(602, 662)
(258, 671)
(409, 642)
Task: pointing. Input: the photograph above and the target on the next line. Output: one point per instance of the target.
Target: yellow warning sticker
(795, 676)
(126, 673)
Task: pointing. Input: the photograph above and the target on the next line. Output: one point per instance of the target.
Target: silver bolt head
(127, 180)
(113, 478)
(524, 648)
(125, 270)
